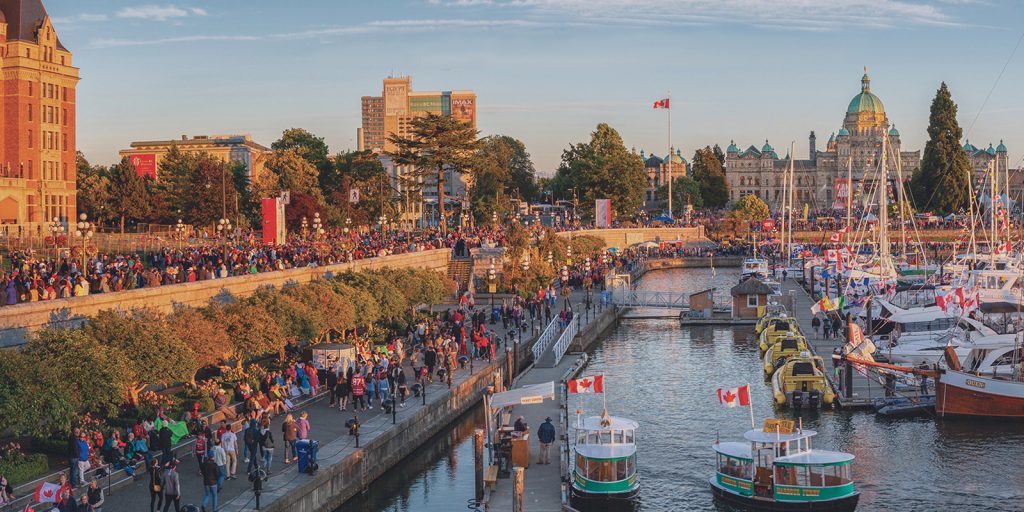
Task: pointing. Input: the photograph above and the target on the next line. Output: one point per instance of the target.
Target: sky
(544, 71)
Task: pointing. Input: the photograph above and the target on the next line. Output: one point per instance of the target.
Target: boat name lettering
(811, 492)
(788, 491)
(975, 383)
(728, 481)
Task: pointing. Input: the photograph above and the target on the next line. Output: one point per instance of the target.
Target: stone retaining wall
(624, 237)
(19, 320)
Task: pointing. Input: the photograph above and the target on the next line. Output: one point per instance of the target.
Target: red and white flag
(835, 238)
(46, 492)
(736, 396)
(662, 103)
(593, 384)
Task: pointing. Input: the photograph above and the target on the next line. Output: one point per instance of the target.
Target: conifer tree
(942, 185)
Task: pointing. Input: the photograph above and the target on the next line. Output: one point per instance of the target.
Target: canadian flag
(942, 301)
(46, 492)
(835, 238)
(846, 229)
(1004, 248)
(735, 396)
(593, 384)
(662, 103)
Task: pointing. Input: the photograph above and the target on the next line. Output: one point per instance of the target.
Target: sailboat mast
(884, 258)
(993, 191)
(900, 198)
(970, 212)
(849, 197)
(792, 180)
(786, 215)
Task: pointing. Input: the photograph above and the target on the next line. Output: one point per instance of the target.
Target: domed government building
(820, 180)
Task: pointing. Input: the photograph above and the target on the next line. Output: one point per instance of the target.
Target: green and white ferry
(778, 471)
(604, 466)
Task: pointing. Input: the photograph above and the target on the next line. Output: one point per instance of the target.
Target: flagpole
(750, 402)
(670, 213)
(604, 395)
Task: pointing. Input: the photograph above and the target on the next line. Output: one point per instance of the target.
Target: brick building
(37, 142)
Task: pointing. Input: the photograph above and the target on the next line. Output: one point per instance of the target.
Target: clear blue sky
(545, 71)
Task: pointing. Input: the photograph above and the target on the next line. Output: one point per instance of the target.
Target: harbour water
(666, 376)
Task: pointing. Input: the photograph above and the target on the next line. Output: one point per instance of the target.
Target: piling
(518, 488)
(478, 463)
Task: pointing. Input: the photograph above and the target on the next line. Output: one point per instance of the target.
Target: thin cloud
(807, 14)
(80, 18)
(158, 12)
(390, 26)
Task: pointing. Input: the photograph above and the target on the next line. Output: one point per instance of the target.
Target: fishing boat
(777, 328)
(800, 381)
(781, 351)
(605, 461)
(776, 469)
(755, 267)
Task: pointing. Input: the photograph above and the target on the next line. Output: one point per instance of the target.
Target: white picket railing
(566, 338)
(648, 299)
(545, 338)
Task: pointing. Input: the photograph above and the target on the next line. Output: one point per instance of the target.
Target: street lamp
(84, 231)
(551, 257)
(494, 218)
(491, 287)
(56, 228)
(179, 232)
(224, 229)
(305, 226)
(348, 222)
(568, 255)
(318, 228)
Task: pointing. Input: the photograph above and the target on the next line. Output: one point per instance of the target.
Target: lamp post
(589, 282)
(318, 227)
(494, 219)
(568, 255)
(179, 232)
(305, 226)
(84, 231)
(348, 222)
(491, 287)
(224, 229)
(551, 257)
(56, 228)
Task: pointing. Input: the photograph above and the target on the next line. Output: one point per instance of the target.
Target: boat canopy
(533, 394)
(815, 457)
(734, 449)
(759, 436)
(611, 423)
(605, 451)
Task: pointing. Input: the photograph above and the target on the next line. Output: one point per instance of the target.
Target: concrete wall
(624, 237)
(701, 262)
(19, 320)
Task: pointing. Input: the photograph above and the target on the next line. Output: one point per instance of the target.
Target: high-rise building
(37, 149)
(393, 111)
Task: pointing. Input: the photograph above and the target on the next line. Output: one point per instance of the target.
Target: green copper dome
(843, 131)
(865, 101)
(991, 150)
(676, 157)
(893, 132)
(1001, 148)
(732, 147)
(767, 148)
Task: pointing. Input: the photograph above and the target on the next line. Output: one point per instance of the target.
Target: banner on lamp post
(603, 213)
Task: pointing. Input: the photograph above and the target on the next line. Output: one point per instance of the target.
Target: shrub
(19, 467)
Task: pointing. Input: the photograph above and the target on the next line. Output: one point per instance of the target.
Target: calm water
(665, 377)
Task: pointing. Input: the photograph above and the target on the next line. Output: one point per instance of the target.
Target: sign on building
(841, 194)
(603, 213)
(145, 165)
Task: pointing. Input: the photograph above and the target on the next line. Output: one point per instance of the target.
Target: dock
(864, 389)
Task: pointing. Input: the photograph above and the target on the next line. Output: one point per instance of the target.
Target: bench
(491, 476)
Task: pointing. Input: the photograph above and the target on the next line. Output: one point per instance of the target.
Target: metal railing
(581, 320)
(650, 299)
(545, 338)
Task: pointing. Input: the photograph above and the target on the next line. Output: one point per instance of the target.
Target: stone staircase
(461, 271)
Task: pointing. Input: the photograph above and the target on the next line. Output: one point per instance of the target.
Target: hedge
(25, 469)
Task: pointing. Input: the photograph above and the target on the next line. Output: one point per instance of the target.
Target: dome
(832, 138)
(767, 148)
(652, 162)
(968, 147)
(893, 132)
(991, 150)
(843, 131)
(865, 101)
(732, 147)
(1001, 148)
(676, 158)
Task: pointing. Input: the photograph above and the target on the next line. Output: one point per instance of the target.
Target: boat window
(785, 475)
(621, 469)
(629, 436)
(605, 470)
(789, 344)
(734, 467)
(1009, 358)
(606, 437)
(817, 476)
(617, 436)
(631, 465)
(581, 464)
(592, 438)
(802, 368)
(837, 475)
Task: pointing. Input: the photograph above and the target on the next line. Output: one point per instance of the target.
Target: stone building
(820, 180)
(37, 150)
(657, 172)
(146, 156)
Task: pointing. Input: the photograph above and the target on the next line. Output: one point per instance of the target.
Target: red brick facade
(37, 142)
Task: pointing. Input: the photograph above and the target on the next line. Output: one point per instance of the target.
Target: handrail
(545, 338)
(566, 338)
(650, 299)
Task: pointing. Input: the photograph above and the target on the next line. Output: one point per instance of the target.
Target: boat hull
(626, 500)
(964, 394)
(844, 504)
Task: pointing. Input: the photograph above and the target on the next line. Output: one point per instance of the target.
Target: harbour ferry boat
(776, 469)
(605, 462)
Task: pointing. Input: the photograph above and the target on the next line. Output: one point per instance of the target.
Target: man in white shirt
(220, 458)
(229, 443)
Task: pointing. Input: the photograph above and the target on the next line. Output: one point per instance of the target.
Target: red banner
(145, 165)
(842, 193)
(768, 225)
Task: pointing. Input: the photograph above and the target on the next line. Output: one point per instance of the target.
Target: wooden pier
(865, 388)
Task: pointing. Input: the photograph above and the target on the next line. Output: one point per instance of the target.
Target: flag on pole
(662, 103)
(835, 238)
(46, 492)
(735, 396)
(593, 384)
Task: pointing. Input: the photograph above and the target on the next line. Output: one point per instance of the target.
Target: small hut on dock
(702, 303)
(748, 298)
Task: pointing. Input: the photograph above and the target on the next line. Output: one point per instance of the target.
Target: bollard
(478, 463)
(518, 490)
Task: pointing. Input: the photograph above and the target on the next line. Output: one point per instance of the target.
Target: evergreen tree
(602, 169)
(942, 185)
(127, 195)
(502, 170)
(706, 170)
(685, 191)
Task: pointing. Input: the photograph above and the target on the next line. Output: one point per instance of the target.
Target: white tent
(532, 394)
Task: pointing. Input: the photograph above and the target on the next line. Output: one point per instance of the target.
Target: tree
(366, 309)
(685, 190)
(93, 187)
(360, 170)
(707, 171)
(212, 190)
(720, 155)
(254, 331)
(748, 208)
(154, 353)
(389, 299)
(34, 400)
(602, 169)
(173, 186)
(206, 338)
(286, 169)
(502, 170)
(298, 321)
(92, 373)
(127, 195)
(943, 183)
(438, 144)
(340, 314)
(310, 147)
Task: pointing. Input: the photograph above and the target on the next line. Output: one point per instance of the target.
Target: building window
(30, 112)
(65, 171)
(30, 138)
(61, 60)
(65, 117)
(751, 301)
(30, 88)
(64, 137)
(65, 94)
(28, 53)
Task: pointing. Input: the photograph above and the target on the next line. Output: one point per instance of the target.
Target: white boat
(755, 267)
(604, 466)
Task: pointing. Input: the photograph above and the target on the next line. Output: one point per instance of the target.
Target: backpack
(250, 436)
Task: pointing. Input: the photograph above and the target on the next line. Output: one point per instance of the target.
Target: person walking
(343, 390)
(266, 445)
(220, 459)
(546, 436)
(288, 431)
(332, 385)
(302, 426)
(156, 497)
(210, 478)
(229, 441)
(171, 486)
(358, 389)
(816, 325)
(251, 437)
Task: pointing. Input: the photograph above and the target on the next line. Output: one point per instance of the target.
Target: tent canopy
(532, 394)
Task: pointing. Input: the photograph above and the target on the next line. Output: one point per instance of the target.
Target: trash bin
(495, 314)
(306, 450)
